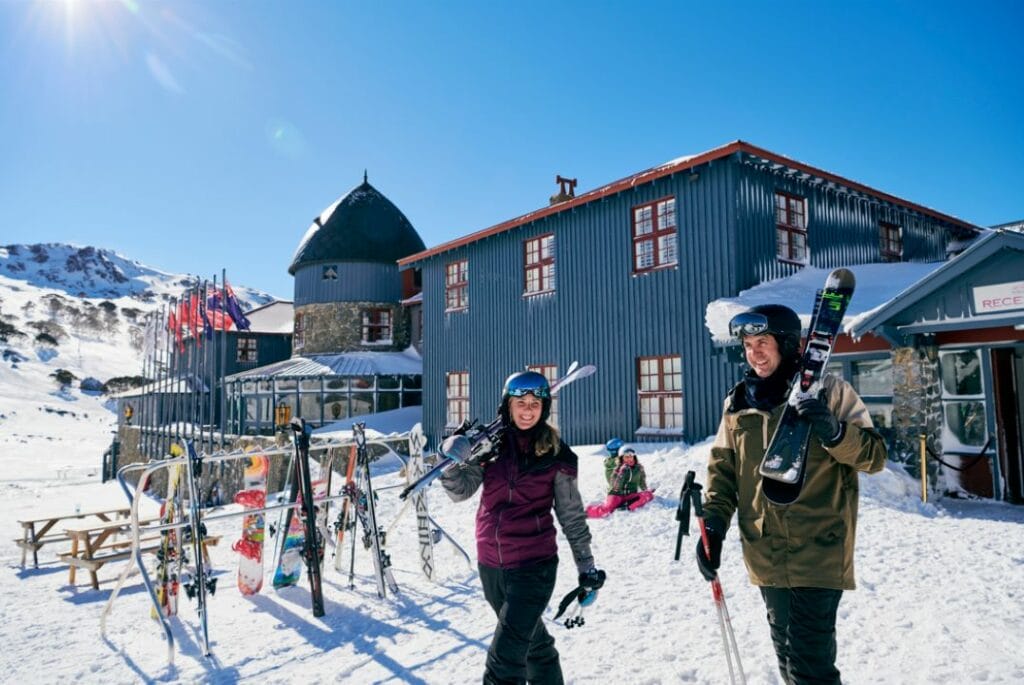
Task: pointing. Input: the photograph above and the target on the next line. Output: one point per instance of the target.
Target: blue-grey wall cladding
(600, 311)
(355, 282)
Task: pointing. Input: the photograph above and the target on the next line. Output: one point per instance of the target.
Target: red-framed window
(890, 238)
(539, 264)
(246, 350)
(456, 286)
(457, 395)
(549, 371)
(660, 391)
(376, 325)
(790, 227)
(655, 241)
(299, 337)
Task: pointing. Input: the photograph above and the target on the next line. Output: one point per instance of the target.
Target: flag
(204, 319)
(234, 309)
(215, 310)
(174, 324)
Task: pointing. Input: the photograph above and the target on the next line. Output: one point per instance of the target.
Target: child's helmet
(613, 446)
(627, 449)
(526, 383)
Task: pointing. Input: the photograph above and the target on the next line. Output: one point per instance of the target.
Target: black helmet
(778, 320)
(526, 383)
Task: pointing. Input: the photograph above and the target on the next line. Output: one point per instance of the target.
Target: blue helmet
(526, 383)
(613, 446)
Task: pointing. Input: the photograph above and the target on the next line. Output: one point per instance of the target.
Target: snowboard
(784, 464)
(413, 471)
(289, 566)
(250, 546)
(169, 555)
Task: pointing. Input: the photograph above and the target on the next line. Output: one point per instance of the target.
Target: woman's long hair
(548, 439)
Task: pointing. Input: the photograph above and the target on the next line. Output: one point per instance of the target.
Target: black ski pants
(521, 650)
(803, 626)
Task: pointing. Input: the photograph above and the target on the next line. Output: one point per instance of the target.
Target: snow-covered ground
(939, 597)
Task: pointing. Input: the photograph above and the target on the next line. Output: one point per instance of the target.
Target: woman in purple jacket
(531, 472)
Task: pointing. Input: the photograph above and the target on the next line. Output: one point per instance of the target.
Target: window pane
(667, 249)
(645, 254)
(966, 421)
(961, 372)
(872, 377)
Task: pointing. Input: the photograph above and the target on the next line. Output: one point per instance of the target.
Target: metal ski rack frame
(134, 495)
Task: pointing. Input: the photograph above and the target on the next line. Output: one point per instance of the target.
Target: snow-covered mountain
(81, 309)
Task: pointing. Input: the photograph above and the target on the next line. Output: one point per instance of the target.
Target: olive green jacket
(810, 542)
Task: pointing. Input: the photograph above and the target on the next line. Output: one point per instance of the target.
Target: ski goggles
(536, 386)
(748, 323)
(627, 452)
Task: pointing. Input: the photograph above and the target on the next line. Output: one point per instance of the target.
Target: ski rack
(134, 495)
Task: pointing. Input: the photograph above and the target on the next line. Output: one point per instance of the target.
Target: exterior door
(1007, 372)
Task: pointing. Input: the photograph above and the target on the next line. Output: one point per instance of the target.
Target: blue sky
(199, 135)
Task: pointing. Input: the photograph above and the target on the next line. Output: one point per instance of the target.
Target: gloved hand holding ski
(457, 448)
(823, 423)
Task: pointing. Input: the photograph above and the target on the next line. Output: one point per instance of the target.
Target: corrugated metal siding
(356, 282)
(600, 313)
(842, 227)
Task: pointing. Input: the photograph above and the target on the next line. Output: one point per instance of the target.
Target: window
(660, 392)
(458, 398)
(330, 272)
(300, 331)
(246, 350)
(790, 228)
(549, 371)
(456, 286)
(539, 264)
(654, 235)
(376, 326)
(963, 401)
(890, 238)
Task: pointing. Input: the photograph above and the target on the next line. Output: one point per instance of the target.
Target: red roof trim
(667, 170)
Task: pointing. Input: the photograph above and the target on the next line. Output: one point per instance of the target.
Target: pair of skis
(485, 438)
(784, 463)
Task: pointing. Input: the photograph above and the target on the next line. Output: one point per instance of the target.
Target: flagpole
(223, 365)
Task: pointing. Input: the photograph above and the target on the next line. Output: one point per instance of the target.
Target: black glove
(708, 565)
(592, 579)
(823, 423)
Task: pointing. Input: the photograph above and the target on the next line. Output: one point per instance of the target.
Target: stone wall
(330, 328)
(917, 407)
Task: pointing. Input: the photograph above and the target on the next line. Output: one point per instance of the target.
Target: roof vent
(567, 190)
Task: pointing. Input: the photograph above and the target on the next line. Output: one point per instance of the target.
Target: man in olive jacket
(800, 554)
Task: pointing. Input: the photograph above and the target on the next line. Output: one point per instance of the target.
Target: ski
(199, 583)
(783, 465)
(170, 546)
(312, 544)
(366, 509)
(345, 521)
(253, 496)
(485, 438)
(414, 470)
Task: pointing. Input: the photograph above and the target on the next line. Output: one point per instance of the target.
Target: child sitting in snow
(628, 486)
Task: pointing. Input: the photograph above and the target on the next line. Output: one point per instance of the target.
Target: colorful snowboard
(289, 569)
(250, 546)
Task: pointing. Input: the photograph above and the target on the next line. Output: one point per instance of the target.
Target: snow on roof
(381, 425)
(405, 363)
(276, 317)
(877, 284)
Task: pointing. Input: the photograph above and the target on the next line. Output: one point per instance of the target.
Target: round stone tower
(347, 284)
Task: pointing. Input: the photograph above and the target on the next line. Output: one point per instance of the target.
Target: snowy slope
(938, 599)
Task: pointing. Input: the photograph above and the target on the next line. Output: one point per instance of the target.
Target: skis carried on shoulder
(784, 464)
(485, 438)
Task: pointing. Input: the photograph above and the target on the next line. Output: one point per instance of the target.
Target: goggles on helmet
(627, 452)
(748, 323)
(528, 384)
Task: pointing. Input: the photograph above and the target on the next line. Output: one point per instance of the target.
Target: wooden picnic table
(90, 549)
(36, 532)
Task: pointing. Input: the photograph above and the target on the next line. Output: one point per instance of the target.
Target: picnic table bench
(90, 549)
(36, 532)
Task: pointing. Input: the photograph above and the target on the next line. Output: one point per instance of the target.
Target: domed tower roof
(362, 226)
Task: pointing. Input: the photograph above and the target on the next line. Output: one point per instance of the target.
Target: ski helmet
(778, 320)
(613, 446)
(526, 383)
(627, 449)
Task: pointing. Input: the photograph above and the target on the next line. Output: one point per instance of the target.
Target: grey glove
(823, 423)
(456, 448)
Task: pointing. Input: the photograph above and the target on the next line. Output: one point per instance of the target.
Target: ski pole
(690, 496)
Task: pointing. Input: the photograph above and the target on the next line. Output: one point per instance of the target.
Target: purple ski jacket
(514, 524)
